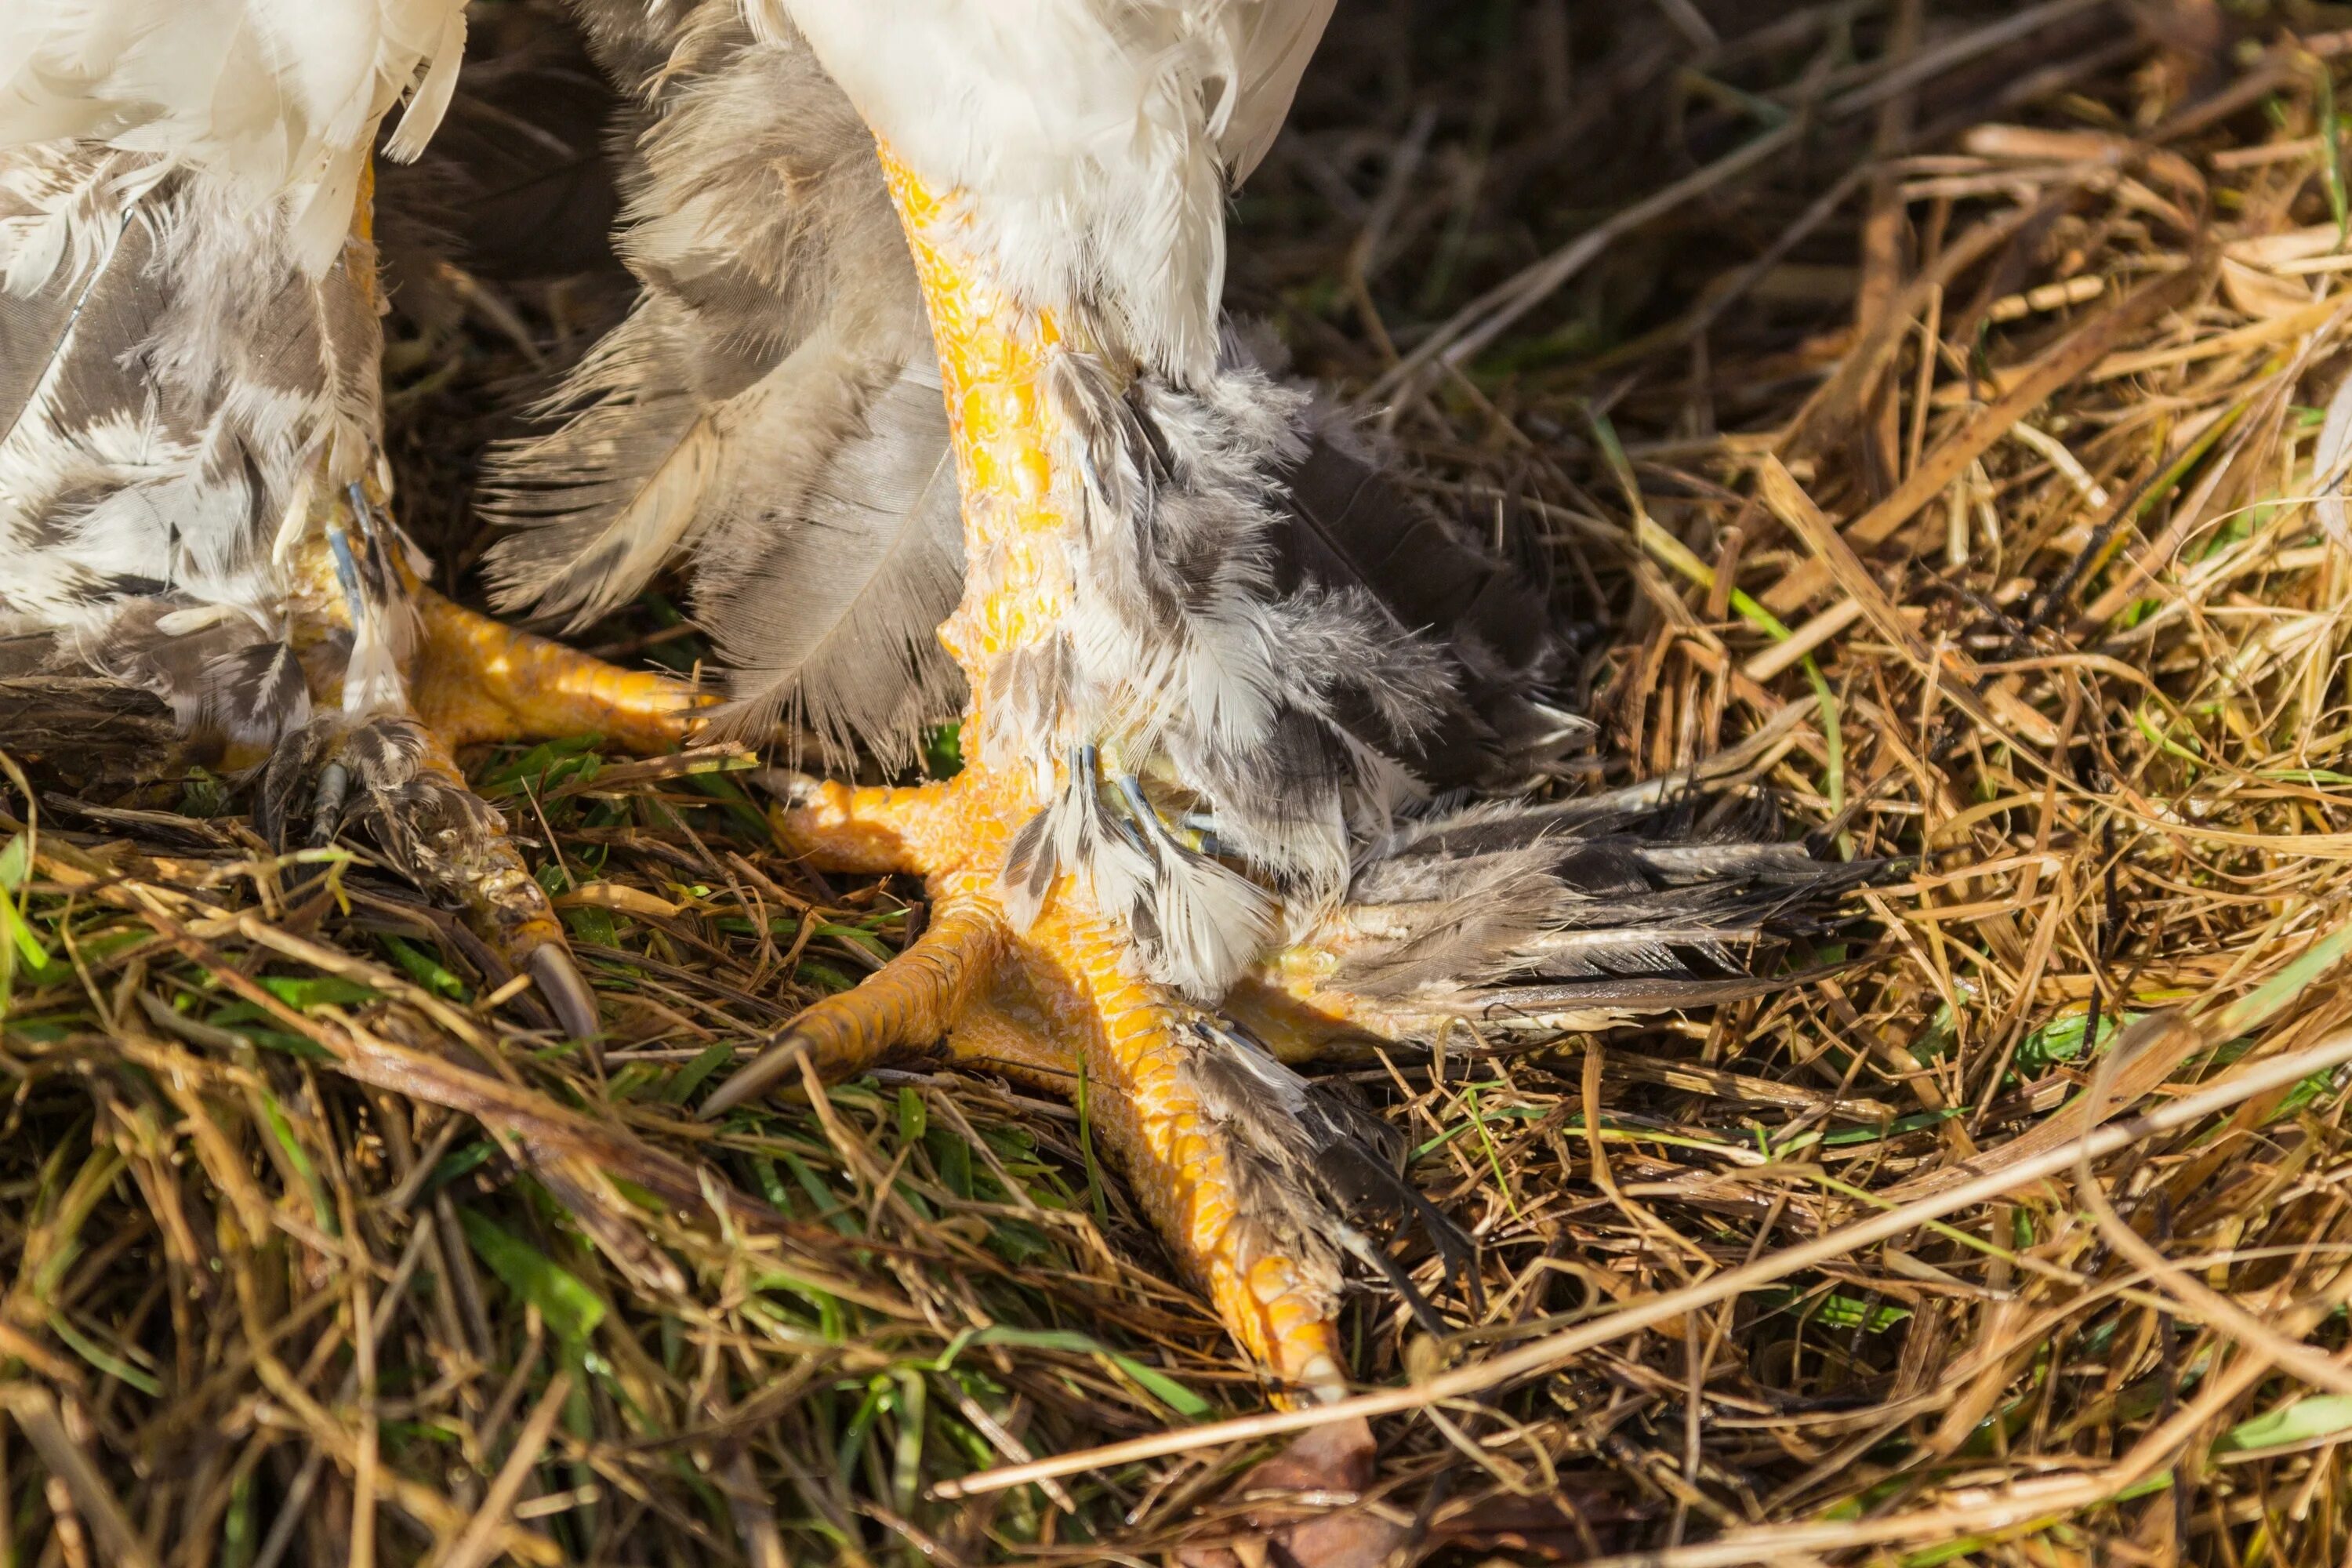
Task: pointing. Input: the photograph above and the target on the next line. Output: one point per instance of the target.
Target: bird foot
(394, 779)
(392, 770)
(1062, 1000)
(1254, 1178)
(911, 1004)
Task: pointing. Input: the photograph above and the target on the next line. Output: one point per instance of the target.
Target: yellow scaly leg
(993, 992)
(478, 680)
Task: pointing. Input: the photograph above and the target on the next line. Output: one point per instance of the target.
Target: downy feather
(771, 407)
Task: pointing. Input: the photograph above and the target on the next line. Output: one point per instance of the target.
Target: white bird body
(1095, 141)
(278, 98)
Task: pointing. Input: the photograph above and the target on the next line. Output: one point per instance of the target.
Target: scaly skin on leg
(1065, 992)
(479, 679)
(1128, 1030)
(898, 1010)
(504, 902)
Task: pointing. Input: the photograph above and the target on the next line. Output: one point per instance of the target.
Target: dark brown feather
(1352, 522)
(87, 729)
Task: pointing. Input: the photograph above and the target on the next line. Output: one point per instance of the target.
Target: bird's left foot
(395, 778)
(1257, 1180)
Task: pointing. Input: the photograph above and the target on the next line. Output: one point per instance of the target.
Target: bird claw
(327, 806)
(393, 779)
(907, 1005)
(565, 991)
(767, 1071)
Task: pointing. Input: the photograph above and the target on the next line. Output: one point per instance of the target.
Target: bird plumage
(1251, 727)
(1284, 711)
(1095, 143)
(190, 328)
(771, 404)
(275, 101)
(1254, 599)
(189, 385)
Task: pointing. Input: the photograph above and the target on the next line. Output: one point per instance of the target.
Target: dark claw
(790, 786)
(767, 1070)
(567, 996)
(327, 808)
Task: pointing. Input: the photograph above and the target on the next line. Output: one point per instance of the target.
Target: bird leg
(1058, 1001)
(468, 678)
(396, 778)
(399, 677)
(1056, 992)
(907, 1007)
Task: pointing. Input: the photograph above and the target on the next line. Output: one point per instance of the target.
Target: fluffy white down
(279, 98)
(1096, 140)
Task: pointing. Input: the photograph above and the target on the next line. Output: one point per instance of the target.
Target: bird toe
(392, 781)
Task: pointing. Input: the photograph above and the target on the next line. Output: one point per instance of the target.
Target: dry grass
(1929, 407)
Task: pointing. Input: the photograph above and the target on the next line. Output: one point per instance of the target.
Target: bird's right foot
(385, 759)
(395, 780)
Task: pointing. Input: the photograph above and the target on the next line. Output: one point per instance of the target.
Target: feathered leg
(1248, 1174)
(401, 678)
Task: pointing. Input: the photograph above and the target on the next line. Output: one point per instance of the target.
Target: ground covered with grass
(1935, 413)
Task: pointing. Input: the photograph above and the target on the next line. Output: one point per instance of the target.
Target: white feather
(1094, 141)
(251, 380)
(1214, 924)
(277, 100)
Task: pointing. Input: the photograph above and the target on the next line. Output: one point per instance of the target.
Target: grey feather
(603, 500)
(222, 674)
(54, 327)
(1460, 907)
(1274, 709)
(768, 409)
(1307, 1166)
(837, 615)
(1351, 525)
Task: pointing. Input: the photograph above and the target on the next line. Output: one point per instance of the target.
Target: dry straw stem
(1542, 1357)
